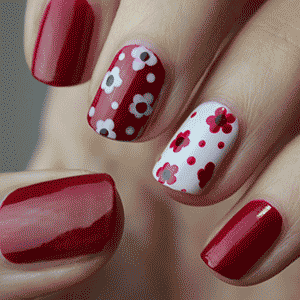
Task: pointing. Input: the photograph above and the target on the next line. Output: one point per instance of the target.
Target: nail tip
(243, 240)
(99, 229)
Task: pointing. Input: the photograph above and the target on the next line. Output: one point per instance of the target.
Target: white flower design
(142, 56)
(111, 80)
(141, 105)
(105, 128)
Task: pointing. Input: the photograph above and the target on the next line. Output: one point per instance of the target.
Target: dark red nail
(58, 219)
(63, 42)
(127, 95)
(243, 240)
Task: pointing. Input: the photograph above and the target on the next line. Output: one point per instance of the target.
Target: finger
(63, 38)
(152, 59)
(260, 238)
(246, 109)
(56, 229)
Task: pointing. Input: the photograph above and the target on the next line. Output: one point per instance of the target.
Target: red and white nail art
(127, 95)
(193, 154)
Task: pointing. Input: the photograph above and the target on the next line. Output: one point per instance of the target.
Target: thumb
(56, 229)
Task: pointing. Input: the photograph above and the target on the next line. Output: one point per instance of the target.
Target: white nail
(198, 147)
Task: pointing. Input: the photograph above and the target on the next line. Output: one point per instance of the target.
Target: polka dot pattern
(114, 105)
(191, 160)
(122, 56)
(150, 77)
(221, 145)
(193, 154)
(202, 143)
(128, 92)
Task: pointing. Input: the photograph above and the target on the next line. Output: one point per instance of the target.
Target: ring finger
(253, 91)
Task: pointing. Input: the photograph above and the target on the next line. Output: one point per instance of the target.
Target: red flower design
(204, 175)
(220, 120)
(181, 141)
(167, 173)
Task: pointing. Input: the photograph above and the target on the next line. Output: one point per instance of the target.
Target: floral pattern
(220, 120)
(142, 57)
(196, 150)
(141, 105)
(180, 141)
(111, 80)
(167, 174)
(105, 128)
(204, 175)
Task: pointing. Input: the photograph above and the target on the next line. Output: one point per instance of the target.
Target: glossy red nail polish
(126, 98)
(58, 219)
(243, 240)
(63, 42)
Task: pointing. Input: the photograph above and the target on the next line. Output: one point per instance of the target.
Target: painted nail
(193, 154)
(58, 219)
(243, 240)
(63, 42)
(127, 96)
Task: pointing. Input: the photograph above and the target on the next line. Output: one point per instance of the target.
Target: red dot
(194, 114)
(221, 145)
(191, 160)
(183, 190)
(202, 143)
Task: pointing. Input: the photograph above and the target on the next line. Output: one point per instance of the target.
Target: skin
(165, 232)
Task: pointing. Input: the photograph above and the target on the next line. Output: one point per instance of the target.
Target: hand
(242, 81)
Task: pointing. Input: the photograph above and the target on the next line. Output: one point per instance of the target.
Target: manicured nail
(63, 42)
(193, 154)
(243, 240)
(58, 219)
(127, 95)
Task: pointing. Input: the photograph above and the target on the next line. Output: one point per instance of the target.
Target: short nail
(63, 42)
(127, 96)
(58, 219)
(193, 154)
(243, 240)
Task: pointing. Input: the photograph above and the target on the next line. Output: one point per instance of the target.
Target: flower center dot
(166, 175)
(141, 107)
(220, 120)
(179, 141)
(104, 132)
(144, 56)
(110, 80)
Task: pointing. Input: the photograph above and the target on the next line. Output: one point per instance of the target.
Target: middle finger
(165, 49)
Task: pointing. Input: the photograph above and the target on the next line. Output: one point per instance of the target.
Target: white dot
(150, 77)
(92, 111)
(129, 130)
(114, 105)
(122, 56)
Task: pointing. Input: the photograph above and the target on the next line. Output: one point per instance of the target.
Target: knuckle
(282, 22)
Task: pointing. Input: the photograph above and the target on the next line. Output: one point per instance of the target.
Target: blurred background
(21, 96)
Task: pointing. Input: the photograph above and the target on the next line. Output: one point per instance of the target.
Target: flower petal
(220, 111)
(227, 128)
(210, 120)
(230, 118)
(214, 128)
(171, 180)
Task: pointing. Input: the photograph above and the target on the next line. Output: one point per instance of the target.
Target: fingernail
(127, 95)
(58, 219)
(243, 240)
(63, 42)
(198, 147)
